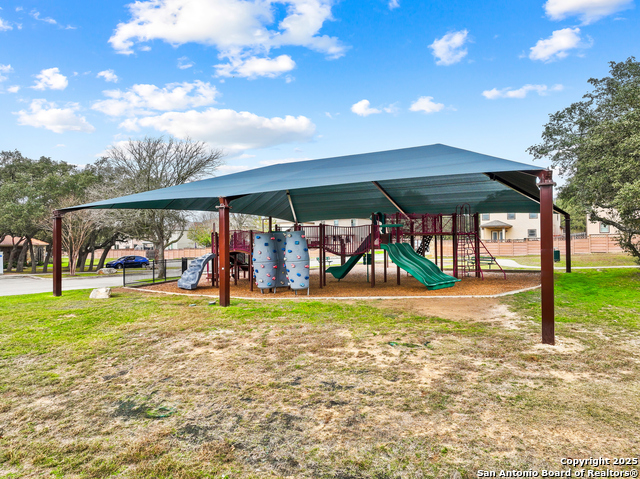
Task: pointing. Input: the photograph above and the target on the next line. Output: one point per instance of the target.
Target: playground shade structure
(431, 179)
(418, 266)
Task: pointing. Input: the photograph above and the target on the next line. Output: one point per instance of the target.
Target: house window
(511, 216)
(533, 216)
(485, 216)
(335, 222)
(604, 228)
(497, 236)
(532, 233)
(353, 222)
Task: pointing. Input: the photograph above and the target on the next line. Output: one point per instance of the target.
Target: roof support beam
(393, 202)
(499, 179)
(293, 211)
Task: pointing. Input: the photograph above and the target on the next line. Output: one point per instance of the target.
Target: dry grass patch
(363, 390)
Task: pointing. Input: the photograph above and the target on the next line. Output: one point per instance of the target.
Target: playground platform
(356, 285)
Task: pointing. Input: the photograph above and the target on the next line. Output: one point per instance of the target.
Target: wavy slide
(419, 267)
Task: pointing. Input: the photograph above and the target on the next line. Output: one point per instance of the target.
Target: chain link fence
(157, 272)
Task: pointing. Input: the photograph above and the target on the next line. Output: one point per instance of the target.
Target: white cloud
(4, 25)
(393, 108)
(241, 30)
(144, 99)
(450, 48)
(184, 63)
(44, 114)
(509, 92)
(393, 4)
(4, 69)
(363, 108)
(50, 78)
(587, 10)
(557, 46)
(254, 67)
(19, 9)
(108, 75)
(36, 14)
(232, 130)
(13, 89)
(426, 104)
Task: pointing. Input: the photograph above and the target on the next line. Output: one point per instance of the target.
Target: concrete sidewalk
(11, 285)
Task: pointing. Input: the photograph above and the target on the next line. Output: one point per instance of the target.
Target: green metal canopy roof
(425, 179)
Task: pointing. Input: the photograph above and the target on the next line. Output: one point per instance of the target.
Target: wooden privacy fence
(590, 244)
(524, 247)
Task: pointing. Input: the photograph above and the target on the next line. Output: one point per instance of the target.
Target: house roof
(9, 241)
(425, 179)
(496, 224)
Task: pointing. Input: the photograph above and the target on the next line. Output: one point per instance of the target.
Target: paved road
(11, 285)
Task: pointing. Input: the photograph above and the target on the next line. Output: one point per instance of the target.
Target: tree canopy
(595, 143)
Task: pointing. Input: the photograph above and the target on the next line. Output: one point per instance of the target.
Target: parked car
(129, 262)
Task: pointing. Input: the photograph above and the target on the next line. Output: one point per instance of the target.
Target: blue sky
(272, 81)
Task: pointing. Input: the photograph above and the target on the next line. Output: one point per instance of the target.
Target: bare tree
(77, 226)
(143, 165)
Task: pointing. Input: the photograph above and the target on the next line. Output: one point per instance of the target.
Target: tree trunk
(73, 260)
(160, 266)
(93, 254)
(103, 256)
(82, 259)
(34, 260)
(22, 257)
(12, 256)
(47, 258)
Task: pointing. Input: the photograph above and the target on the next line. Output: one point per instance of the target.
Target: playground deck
(355, 285)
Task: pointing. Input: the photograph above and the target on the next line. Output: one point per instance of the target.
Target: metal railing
(158, 271)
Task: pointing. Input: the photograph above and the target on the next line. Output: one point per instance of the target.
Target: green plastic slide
(419, 267)
(341, 271)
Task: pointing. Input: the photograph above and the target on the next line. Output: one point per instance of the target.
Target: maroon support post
(373, 250)
(385, 265)
(476, 242)
(270, 223)
(224, 276)
(546, 185)
(454, 233)
(320, 251)
(567, 229)
(251, 261)
(57, 253)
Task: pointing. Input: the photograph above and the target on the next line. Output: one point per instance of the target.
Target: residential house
(8, 242)
(514, 226)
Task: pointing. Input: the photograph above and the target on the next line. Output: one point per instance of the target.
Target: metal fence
(154, 273)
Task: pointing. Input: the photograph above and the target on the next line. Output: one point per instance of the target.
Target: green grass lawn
(590, 260)
(155, 386)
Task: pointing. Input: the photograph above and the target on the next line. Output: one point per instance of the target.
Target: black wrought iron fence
(157, 272)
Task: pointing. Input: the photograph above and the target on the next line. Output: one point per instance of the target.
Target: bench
(327, 259)
(486, 260)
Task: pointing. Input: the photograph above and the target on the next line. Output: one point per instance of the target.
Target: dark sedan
(129, 262)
